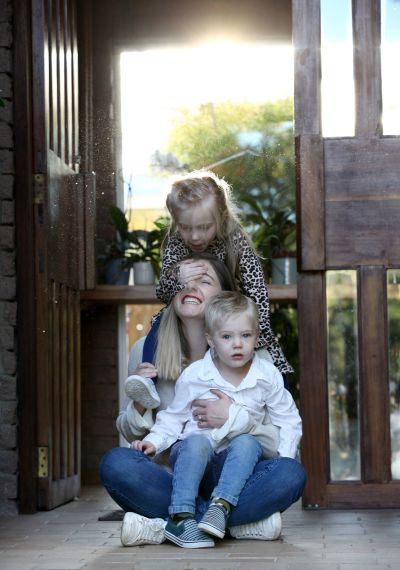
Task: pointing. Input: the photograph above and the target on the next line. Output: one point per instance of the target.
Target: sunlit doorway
(225, 106)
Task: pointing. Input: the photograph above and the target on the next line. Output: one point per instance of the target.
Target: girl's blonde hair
(190, 189)
(172, 351)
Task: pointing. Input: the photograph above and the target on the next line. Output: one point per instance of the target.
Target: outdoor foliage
(251, 146)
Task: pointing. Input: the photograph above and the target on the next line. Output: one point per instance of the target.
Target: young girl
(203, 218)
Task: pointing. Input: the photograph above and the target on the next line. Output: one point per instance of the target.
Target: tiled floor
(71, 538)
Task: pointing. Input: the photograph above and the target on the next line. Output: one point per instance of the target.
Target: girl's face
(192, 300)
(197, 226)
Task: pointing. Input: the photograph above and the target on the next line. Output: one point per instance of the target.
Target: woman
(141, 486)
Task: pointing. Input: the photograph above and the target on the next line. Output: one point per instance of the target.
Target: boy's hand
(146, 369)
(191, 270)
(145, 446)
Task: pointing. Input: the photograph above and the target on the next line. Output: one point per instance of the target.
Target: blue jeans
(189, 459)
(139, 485)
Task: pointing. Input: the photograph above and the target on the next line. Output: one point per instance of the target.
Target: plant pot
(284, 270)
(143, 273)
(115, 273)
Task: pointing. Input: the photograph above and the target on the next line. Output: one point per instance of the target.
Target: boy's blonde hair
(227, 304)
(172, 351)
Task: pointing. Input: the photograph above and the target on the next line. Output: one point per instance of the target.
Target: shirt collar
(209, 371)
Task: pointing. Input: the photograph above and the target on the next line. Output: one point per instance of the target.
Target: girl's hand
(146, 369)
(145, 446)
(191, 270)
(212, 413)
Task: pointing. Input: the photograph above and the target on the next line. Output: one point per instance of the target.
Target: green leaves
(134, 245)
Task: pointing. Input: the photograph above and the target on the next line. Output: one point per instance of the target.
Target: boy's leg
(189, 459)
(242, 455)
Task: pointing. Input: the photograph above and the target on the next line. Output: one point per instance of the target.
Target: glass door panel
(343, 386)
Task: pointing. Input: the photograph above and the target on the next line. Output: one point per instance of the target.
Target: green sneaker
(186, 534)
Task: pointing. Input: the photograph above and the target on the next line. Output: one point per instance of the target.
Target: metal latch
(43, 461)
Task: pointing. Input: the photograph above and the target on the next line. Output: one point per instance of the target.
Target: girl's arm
(175, 250)
(253, 285)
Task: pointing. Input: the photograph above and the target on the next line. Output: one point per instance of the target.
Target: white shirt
(261, 389)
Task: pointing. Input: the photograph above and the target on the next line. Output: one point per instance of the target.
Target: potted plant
(273, 231)
(115, 258)
(144, 253)
(137, 249)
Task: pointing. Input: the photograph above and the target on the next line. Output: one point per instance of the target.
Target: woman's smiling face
(192, 300)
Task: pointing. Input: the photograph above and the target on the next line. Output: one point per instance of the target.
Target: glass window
(394, 366)
(343, 386)
(390, 52)
(337, 83)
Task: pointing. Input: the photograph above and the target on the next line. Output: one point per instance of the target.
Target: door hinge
(38, 188)
(43, 461)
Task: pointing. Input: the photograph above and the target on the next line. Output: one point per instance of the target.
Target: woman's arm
(229, 419)
(284, 414)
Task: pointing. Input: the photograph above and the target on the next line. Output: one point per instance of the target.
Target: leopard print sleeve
(253, 285)
(175, 251)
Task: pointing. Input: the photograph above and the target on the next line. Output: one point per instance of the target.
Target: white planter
(284, 270)
(143, 273)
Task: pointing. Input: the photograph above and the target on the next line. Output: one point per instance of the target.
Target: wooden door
(56, 208)
(349, 209)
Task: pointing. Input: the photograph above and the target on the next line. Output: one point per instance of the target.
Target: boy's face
(235, 341)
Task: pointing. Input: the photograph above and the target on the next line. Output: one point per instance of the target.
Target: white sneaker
(266, 529)
(137, 530)
(143, 391)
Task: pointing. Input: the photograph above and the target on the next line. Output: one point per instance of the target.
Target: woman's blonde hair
(190, 189)
(172, 351)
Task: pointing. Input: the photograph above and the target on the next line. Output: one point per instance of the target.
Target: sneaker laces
(148, 530)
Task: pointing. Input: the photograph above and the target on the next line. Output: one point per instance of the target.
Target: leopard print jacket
(252, 284)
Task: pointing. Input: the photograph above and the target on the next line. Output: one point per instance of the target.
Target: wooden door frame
(25, 259)
(315, 256)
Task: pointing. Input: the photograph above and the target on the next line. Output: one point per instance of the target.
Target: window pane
(337, 84)
(344, 430)
(390, 53)
(394, 366)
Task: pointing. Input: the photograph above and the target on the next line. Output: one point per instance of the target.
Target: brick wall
(99, 387)
(8, 308)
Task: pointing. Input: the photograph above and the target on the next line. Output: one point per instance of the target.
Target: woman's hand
(191, 270)
(212, 413)
(145, 446)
